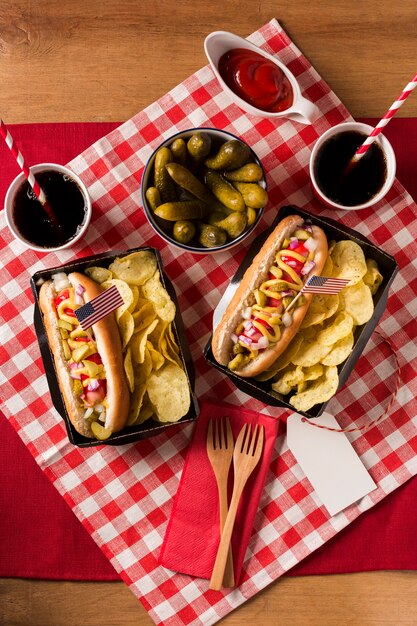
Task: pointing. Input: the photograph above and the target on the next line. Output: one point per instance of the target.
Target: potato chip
(156, 293)
(135, 293)
(318, 391)
(373, 278)
(142, 370)
(288, 380)
(136, 400)
(357, 302)
(168, 351)
(328, 266)
(125, 292)
(135, 268)
(310, 353)
(99, 274)
(312, 319)
(313, 372)
(310, 332)
(129, 370)
(146, 411)
(169, 393)
(144, 317)
(339, 327)
(348, 261)
(156, 335)
(138, 342)
(340, 351)
(171, 340)
(126, 326)
(157, 358)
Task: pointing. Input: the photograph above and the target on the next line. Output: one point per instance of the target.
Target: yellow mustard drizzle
(271, 288)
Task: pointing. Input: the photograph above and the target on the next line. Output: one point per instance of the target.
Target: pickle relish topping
(262, 322)
(80, 351)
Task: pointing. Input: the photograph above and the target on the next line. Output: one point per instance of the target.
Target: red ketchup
(256, 79)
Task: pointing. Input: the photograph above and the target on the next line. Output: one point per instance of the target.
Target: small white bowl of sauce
(255, 80)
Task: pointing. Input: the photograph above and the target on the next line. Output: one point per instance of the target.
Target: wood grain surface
(102, 60)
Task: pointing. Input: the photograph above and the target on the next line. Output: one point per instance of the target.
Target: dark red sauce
(256, 79)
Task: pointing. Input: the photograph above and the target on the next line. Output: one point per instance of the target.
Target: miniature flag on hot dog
(98, 307)
(323, 284)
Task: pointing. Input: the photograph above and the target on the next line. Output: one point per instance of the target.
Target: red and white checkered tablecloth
(123, 495)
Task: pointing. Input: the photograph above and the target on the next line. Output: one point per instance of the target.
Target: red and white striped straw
(4, 132)
(384, 121)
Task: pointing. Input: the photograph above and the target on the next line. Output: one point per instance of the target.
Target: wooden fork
(220, 453)
(247, 452)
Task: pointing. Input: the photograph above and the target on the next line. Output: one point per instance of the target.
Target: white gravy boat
(219, 42)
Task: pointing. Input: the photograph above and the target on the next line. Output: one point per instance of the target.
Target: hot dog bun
(222, 343)
(107, 338)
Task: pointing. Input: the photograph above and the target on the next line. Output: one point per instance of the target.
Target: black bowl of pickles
(203, 190)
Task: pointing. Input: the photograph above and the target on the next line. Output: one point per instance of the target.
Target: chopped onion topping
(79, 289)
(293, 243)
(311, 244)
(76, 366)
(79, 299)
(75, 375)
(310, 265)
(251, 331)
(287, 292)
(306, 226)
(261, 344)
(246, 313)
(93, 385)
(234, 338)
(61, 281)
(88, 412)
(247, 325)
(245, 340)
(99, 408)
(287, 319)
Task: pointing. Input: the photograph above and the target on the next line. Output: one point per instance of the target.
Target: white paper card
(329, 461)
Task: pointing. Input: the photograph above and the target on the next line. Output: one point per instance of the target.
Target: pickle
(254, 196)
(184, 231)
(238, 362)
(77, 387)
(224, 191)
(251, 215)
(186, 210)
(66, 348)
(185, 179)
(211, 236)
(231, 155)
(100, 432)
(163, 181)
(179, 150)
(153, 197)
(199, 146)
(64, 333)
(302, 234)
(234, 224)
(249, 173)
(64, 325)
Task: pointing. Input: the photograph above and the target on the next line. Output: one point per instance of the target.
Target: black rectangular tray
(129, 434)
(335, 231)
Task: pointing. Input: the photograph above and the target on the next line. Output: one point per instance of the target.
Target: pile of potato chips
(154, 370)
(308, 367)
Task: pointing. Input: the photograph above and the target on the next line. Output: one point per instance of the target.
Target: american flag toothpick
(322, 285)
(99, 307)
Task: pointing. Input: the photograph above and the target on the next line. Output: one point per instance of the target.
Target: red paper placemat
(123, 495)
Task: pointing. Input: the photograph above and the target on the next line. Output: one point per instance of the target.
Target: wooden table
(62, 61)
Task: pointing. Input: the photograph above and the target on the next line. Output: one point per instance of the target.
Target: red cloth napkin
(39, 535)
(192, 536)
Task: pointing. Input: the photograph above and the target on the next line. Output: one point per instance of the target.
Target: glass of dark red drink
(67, 197)
(340, 183)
